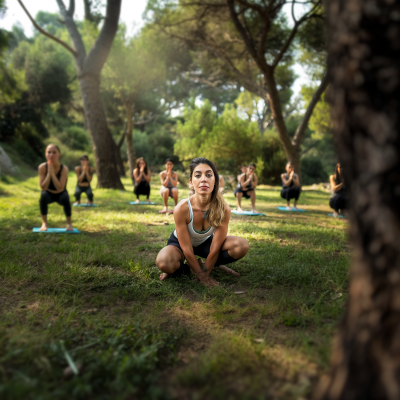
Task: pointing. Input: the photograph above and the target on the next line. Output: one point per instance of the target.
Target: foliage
(313, 170)
(76, 138)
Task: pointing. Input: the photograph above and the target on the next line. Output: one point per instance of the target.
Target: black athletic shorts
(203, 250)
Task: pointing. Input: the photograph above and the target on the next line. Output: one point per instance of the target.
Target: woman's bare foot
(148, 200)
(164, 210)
(254, 211)
(69, 227)
(43, 228)
(288, 208)
(77, 203)
(164, 276)
(228, 270)
(240, 209)
(335, 214)
(137, 201)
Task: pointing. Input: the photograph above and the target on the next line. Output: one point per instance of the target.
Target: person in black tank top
(141, 179)
(291, 188)
(53, 178)
(169, 180)
(246, 187)
(85, 174)
(339, 200)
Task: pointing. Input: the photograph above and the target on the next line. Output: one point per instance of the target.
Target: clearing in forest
(86, 316)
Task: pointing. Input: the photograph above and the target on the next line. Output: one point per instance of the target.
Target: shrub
(312, 170)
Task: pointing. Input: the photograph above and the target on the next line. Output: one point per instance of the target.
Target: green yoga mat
(55, 230)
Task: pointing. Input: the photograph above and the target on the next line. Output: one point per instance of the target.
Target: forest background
(171, 98)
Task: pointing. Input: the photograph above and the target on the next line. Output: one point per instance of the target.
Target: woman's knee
(239, 247)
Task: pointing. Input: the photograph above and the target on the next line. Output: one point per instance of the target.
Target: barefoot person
(290, 186)
(246, 188)
(85, 175)
(339, 199)
(141, 177)
(201, 223)
(169, 180)
(53, 181)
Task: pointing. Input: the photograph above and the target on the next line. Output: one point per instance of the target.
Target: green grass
(94, 302)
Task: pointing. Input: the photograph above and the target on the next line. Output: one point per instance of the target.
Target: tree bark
(364, 57)
(130, 149)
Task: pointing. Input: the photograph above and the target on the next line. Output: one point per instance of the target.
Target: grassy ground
(85, 316)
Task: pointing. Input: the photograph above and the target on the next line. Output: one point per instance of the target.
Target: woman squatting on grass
(53, 182)
(201, 223)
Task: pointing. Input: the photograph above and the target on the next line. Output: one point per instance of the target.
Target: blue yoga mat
(142, 203)
(284, 209)
(331, 215)
(55, 230)
(246, 213)
(84, 205)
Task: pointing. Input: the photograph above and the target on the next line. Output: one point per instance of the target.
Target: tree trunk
(104, 146)
(364, 55)
(121, 167)
(130, 150)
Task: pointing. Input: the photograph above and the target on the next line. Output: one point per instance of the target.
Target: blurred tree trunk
(365, 97)
(130, 150)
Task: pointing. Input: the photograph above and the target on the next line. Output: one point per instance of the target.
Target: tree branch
(299, 135)
(308, 148)
(98, 54)
(71, 9)
(69, 48)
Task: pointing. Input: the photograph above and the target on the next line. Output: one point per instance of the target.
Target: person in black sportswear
(53, 181)
(291, 188)
(141, 179)
(246, 187)
(339, 200)
(85, 174)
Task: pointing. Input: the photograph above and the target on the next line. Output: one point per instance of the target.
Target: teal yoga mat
(246, 213)
(284, 209)
(84, 205)
(142, 203)
(331, 215)
(54, 230)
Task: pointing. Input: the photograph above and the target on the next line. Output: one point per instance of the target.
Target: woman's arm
(296, 180)
(335, 187)
(44, 179)
(285, 181)
(59, 184)
(148, 176)
(80, 175)
(89, 174)
(137, 175)
(218, 241)
(180, 213)
(254, 182)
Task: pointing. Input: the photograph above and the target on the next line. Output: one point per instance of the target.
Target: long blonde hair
(217, 206)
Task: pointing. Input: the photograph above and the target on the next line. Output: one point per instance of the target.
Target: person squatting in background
(53, 178)
(291, 188)
(142, 178)
(201, 223)
(339, 200)
(85, 175)
(169, 180)
(246, 188)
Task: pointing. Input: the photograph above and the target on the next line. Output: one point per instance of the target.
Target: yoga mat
(142, 203)
(284, 209)
(246, 213)
(84, 205)
(54, 230)
(338, 216)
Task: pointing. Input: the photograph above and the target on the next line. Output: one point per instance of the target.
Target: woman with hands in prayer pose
(201, 223)
(169, 180)
(85, 175)
(53, 181)
(246, 188)
(339, 200)
(290, 186)
(141, 178)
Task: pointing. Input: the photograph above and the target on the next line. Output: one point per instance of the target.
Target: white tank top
(196, 237)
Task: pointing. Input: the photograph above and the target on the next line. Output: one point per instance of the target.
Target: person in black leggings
(85, 175)
(291, 188)
(141, 179)
(339, 200)
(53, 182)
